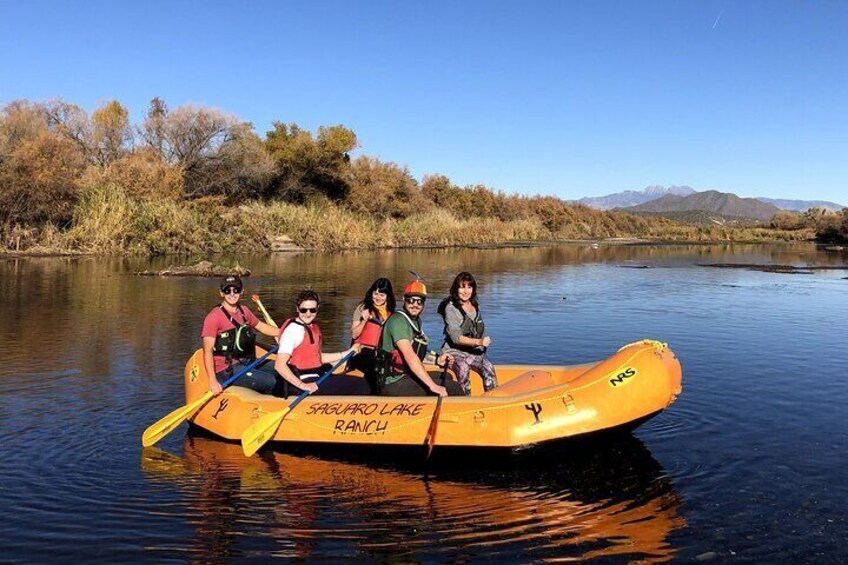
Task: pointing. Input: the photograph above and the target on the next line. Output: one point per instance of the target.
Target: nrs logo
(622, 378)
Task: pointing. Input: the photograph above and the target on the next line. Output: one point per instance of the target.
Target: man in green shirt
(403, 347)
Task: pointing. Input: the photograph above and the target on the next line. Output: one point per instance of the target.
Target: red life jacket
(307, 355)
(371, 333)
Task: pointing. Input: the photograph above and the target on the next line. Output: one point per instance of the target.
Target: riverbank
(292, 190)
(518, 244)
(293, 248)
(112, 224)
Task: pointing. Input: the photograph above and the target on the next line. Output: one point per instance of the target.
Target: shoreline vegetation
(199, 180)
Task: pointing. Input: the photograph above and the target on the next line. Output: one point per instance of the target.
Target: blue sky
(566, 98)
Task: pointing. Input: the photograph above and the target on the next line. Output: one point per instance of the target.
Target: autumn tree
(141, 175)
(153, 130)
(831, 227)
(103, 138)
(70, 121)
(554, 213)
(786, 220)
(240, 168)
(39, 167)
(384, 190)
(473, 201)
(20, 120)
(463, 203)
(438, 189)
(843, 225)
(307, 166)
(813, 216)
(216, 153)
(111, 134)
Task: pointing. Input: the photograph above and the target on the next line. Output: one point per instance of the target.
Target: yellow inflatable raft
(531, 405)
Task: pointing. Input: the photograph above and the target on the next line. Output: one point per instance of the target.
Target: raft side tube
(534, 405)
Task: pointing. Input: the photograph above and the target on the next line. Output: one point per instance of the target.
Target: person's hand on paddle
(355, 348)
(486, 341)
(444, 359)
(308, 387)
(439, 390)
(215, 386)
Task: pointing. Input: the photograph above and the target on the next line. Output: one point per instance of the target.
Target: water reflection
(578, 501)
(126, 320)
(93, 354)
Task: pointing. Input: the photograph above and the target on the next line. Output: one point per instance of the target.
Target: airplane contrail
(718, 18)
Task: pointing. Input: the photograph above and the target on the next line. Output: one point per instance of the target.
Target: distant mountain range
(801, 205)
(633, 197)
(682, 202)
(721, 203)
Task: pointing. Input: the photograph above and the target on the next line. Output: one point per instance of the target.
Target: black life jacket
(238, 342)
(475, 328)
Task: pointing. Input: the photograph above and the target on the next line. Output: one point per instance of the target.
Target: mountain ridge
(631, 198)
(801, 205)
(721, 203)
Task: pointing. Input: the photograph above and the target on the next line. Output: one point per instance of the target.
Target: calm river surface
(748, 466)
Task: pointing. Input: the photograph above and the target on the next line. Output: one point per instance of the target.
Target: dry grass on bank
(108, 221)
(72, 182)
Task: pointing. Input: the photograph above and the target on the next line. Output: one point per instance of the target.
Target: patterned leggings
(464, 362)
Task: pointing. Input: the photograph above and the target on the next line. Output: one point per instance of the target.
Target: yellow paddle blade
(166, 425)
(261, 431)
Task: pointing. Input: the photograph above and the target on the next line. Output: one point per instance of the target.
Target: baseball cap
(415, 288)
(232, 280)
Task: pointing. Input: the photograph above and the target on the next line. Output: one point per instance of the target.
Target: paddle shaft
(169, 423)
(430, 439)
(262, 309)
(253, 365)
(320, 380)
(255, 436)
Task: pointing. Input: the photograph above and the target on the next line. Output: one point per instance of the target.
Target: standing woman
(301, 341)
(366, 327)
(465, 338)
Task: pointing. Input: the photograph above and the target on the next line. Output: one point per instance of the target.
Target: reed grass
(106, 220)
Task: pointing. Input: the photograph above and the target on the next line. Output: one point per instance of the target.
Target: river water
(747, 466)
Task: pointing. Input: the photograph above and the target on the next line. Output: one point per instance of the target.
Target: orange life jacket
(371, 333)
(307, 355)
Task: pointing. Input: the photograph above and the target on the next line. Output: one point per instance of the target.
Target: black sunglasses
(414, 300)
(310, 310)
(232, 289)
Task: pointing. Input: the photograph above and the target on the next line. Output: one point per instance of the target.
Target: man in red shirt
(229, 341)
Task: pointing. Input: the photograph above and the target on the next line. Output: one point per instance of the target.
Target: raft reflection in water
(581, 501)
